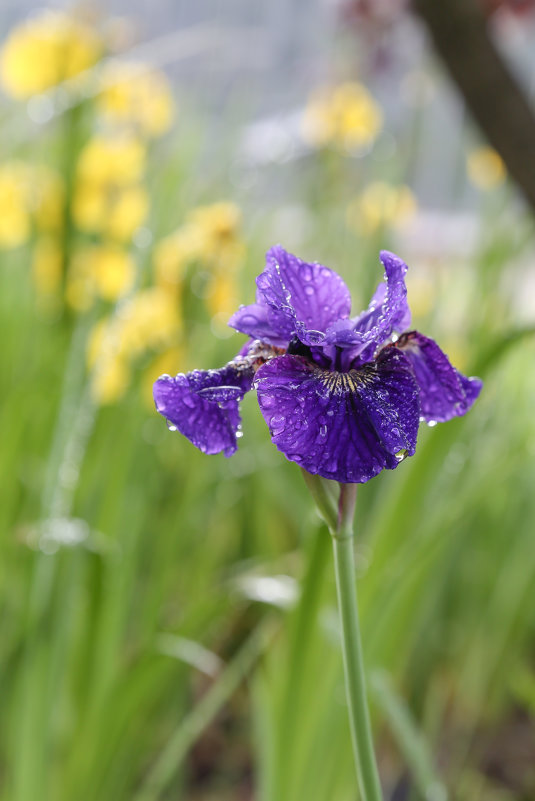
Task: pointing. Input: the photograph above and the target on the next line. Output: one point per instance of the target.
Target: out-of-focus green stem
(359, 717)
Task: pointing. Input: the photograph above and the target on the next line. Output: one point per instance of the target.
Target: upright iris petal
(293, 298)
(387, 312)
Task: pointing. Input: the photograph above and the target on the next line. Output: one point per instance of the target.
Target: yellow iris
(346, 116)
(147, 322)
(486, 169)
(138, 96)
(381, 205)
(105, 271)
(44, 51)
(107, 198)
(29, 195)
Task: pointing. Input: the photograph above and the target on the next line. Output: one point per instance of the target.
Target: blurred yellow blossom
(106, 271)
(15, 223)
(210, 240)
(29, 194)
(346, 116)
(47, 265)
(117, 160)
(381, 205)
(136, 95)
(107, 197)
(209, 236)
(147, 322)
(45, 50)
(110, 380)
(486, 169)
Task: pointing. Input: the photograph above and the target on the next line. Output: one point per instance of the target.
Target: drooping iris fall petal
(204, 405)
(343, 426)
(444, 392)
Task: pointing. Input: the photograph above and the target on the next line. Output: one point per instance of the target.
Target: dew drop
(239, 434)
(187, 400)
(431, 423)
(172, 427)
(306, 272)
(315, 337)
(309, 290)
(277, 423)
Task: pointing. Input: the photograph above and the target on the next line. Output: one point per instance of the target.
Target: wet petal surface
(259, 321)
(388, 311)
(342, 426)
(444, 392)
(204, 405)
(304, 299)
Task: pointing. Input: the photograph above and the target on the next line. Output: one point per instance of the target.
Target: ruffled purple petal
(342, 426)
(387, 312)
(303, 299)
(444, 392)
(260, 322)
(204, 405)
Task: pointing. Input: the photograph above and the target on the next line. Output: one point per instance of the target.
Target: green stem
(359, 717)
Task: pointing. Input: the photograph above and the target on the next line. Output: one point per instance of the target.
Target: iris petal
(444, 392)
(388, 311)
(342, 426)
(260, 322)
(294, 297)
(204, 405)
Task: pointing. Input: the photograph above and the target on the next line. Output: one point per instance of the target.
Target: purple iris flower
(342, 396)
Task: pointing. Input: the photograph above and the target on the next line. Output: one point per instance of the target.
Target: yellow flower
(486, 169)
(209, 236)
(44, 51)
(346, 116)
(110, 380)
(47, 265)
(381, 205)
(112, 160)
(150, 320)
(105, 271)
(15, 222)
(134, 94)
(147, 322)
(171, 257)
(214, 229)
(222, 296)
(28, 194)
(107, 198)
(127, 211)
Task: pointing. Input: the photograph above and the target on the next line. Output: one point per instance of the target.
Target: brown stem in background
(491, 93)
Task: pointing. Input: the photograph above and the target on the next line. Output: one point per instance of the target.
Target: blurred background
(168, 619)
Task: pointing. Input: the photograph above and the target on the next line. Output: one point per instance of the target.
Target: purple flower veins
(342, 396)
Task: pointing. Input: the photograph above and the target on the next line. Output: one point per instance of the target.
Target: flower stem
(359, 718)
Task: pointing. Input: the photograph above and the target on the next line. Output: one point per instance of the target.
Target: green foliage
(121, 547)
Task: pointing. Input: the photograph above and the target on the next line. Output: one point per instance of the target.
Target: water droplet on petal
(315, 337)
(239, 434)
(309, 290)
(172, 427)
(431, 423)
(277, 423)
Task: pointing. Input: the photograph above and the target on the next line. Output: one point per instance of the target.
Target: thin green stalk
(359, 717)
